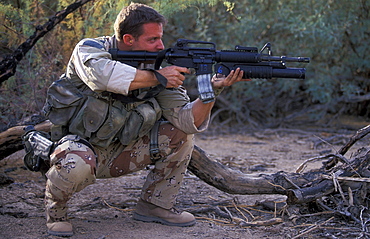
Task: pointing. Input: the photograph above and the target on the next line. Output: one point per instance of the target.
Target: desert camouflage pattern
(75, 166)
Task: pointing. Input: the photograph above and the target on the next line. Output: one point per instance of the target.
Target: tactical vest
(99, 118)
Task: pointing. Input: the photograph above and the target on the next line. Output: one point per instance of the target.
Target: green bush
(334, 34)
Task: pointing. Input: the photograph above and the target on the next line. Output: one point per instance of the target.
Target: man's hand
(174, 74)
(220, 81)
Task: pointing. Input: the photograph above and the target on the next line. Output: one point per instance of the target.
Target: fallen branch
(357, 136)
(9, 64)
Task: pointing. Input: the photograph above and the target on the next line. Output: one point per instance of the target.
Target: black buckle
(155, 154)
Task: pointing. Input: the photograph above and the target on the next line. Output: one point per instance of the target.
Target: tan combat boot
(56, 214)
(148, 212)
(62, 229)
(56, 221)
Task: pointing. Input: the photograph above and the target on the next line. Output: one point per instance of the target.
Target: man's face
(150, 40)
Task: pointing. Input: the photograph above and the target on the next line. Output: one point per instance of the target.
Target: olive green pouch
(63, 99)
(116, 118)
(90, 117)
(140, 122)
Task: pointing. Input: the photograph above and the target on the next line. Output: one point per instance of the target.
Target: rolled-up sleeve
(183, 118)
(177, 109)
(95, 67)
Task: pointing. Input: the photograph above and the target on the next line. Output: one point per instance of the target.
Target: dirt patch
(104, 210)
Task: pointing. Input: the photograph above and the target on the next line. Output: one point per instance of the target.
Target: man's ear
(128, 39)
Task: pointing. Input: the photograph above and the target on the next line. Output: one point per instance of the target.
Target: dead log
(235, 182)
(298, 187)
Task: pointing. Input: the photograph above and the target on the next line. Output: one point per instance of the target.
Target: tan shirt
(92, 63)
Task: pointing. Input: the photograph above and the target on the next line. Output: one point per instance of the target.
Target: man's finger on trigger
(184, 70)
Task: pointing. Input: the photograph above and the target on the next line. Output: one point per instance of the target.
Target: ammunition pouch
(62, 101)
(97, 117)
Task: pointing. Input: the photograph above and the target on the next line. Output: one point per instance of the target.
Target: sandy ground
(104, 210)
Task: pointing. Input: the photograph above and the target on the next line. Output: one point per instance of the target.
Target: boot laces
(175, 210)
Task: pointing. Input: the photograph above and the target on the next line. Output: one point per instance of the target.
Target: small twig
(311, 214)
(275, 206)
(229, 213)
(338, 156)
(338, 187)
(213, 220)
(347, 214)
(327, 227)
(344, 160)
(258, 210)
(291, 182)
(325, 141)
(365, 180)
(363, 224)
(278, 186)
(250, 214)
(268, 222)
(214, 209)
(334, 183)
(120, 209)
(303, 165)
(350, 197)
(313, 228)
(236, 207)
(359, 135)
(214, 199)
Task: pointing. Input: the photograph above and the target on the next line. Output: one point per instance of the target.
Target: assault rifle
(202, 56)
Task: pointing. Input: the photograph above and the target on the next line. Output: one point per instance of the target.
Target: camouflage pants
(74, 166)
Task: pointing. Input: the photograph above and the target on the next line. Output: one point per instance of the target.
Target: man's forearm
(201, 111)
(143, 79)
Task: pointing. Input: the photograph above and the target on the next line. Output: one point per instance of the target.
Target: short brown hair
(131, 19)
